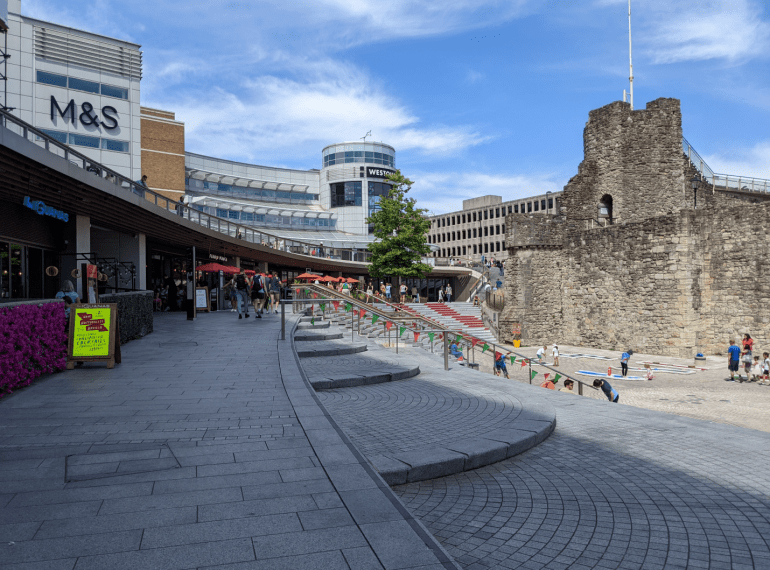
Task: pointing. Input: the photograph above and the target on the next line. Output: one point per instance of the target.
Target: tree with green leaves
(401, 230)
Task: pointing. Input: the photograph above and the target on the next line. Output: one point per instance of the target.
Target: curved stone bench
(433, 424)
(329, 348)
(311, 336)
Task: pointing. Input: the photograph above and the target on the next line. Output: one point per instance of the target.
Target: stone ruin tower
(629, 261)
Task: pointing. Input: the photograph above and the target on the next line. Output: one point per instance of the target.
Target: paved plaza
(207, 448)
(204, 449)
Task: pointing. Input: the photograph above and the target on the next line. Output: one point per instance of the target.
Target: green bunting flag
(484, 348)
(307, 291)
(534, 373)
(323, 306)
(312, 321)
(459, 338)
(557, 378)
(348, 307)
(513, 360)
(401, 330)
(374, 318)
(431, 335)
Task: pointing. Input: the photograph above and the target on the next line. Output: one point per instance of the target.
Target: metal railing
(463, 340)
(723, 181)
(221, 225)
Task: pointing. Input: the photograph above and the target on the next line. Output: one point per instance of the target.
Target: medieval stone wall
(665, 278)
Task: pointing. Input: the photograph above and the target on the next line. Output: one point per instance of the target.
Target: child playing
(541, 355)
(766, 368)
(756, 370)
(500, 367)
(649, 374)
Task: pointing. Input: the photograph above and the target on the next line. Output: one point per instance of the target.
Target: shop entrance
(22, 272)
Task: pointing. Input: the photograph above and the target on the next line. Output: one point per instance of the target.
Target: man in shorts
(500, 367)
(733, 360)
(609, 391)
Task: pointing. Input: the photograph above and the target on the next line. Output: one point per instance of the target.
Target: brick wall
(163, 152)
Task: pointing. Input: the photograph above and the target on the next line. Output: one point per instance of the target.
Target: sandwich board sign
(93, 334)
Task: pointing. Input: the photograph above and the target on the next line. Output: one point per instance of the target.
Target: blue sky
(477, 96)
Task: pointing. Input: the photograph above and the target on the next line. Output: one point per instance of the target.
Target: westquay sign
(374, 172)
(87, 117)
(40, 208)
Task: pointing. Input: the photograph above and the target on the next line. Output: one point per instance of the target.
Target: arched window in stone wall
(606, 214)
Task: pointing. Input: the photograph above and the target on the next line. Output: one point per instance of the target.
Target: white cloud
(474, 76)
(710, 30)
(273, 117)
(753, 162)
(370, 20)
(445, 192)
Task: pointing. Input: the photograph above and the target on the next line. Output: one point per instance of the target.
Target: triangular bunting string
(484, 348)
(416, 336)
(431, 336)
(401, 330)
(374, 318)
(389, 325)
(534, 373)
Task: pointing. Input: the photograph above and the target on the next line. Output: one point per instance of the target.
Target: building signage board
(40, 208)
(202, 299)
(88, 117)
(93, 334)
(376, 172)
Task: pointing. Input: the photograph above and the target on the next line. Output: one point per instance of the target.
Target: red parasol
(350, 280)
(216, 268)
(308, 276)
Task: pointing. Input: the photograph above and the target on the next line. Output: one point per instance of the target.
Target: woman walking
(275, 292)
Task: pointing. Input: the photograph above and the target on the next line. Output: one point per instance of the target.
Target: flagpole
(630, 60)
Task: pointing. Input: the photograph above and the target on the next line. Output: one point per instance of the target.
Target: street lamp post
(695, 182)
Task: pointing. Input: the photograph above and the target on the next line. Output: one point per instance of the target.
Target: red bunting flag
(546, 376)
(524, 362)
(388, 325)
(498, 355)
(474, 342)
(336, 305)
(362, 313)
(416, 336)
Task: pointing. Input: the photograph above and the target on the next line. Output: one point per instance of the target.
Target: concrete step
(310, 336)
(329, 348)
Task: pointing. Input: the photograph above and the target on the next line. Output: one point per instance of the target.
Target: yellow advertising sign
(91, 334)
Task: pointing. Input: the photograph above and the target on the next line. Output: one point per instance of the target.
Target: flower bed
(32, 342)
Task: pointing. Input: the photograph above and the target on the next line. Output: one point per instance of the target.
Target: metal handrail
(442, 329)
(214, 223)
(723, 181)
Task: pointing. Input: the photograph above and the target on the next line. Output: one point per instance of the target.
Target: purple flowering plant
(32, 342)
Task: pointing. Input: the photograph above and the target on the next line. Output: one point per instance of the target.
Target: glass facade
(87, 141)
(82, 85)
(376, 191)
(346, 194)
(284, 196)
(270, 220)
(22, 272)
(359, 153)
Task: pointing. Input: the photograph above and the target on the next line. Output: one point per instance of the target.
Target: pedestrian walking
(747, 361)
(242, 292)
(448, 293)
(388, 288)
(257, 295)
(733, 360)
(274, 285)
(440, 295)
(624, 358)
(369, 292)
(555, 352)
(609, 391)
(766, 368)
(402, 293)
(415, 294)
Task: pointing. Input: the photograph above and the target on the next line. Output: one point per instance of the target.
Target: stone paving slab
(215, 455)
